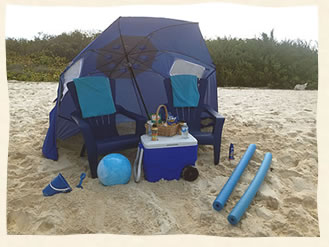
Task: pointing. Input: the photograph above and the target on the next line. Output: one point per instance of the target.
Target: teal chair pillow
(95, 96)
(185, 90)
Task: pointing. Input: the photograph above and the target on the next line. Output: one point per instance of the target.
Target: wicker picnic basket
(164, 129)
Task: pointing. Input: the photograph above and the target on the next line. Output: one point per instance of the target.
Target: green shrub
(264, 62)
(258, 62)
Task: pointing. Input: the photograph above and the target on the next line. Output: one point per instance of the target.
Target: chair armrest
(213, 114)
(140, 120)
(129, 114)
(218, 119)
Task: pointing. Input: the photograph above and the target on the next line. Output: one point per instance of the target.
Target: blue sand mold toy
(234, 178)
(57, 185)
(82, 177)
(114, 169)
(242, 205)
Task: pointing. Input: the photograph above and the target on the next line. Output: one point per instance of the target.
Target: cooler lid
(166, 142)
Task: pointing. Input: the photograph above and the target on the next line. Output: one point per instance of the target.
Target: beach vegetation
(262, 62)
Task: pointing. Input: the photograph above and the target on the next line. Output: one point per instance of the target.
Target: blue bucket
(57, 185)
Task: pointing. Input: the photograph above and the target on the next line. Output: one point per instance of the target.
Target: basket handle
(158, 110)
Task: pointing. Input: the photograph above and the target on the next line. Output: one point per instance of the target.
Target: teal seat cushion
(95, 96)
(185, 90)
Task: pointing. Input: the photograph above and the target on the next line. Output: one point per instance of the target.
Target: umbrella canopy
(126, 57)
(138, 52)
(116, 58)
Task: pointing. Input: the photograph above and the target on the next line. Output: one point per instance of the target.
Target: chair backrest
(191, 115)
(102, 126)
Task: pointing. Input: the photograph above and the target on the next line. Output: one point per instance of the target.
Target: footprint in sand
(45, 227)
(20, 221)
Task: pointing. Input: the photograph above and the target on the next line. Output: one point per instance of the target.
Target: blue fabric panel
(185, 90)
(49, 148)
(95, 96)
(66, 128)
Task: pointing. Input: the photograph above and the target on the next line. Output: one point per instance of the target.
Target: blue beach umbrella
(138, 53)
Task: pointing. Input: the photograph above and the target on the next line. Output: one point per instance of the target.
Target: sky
(215, 19)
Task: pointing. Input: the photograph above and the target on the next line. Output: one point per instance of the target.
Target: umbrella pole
(139, 91)
(132, 71)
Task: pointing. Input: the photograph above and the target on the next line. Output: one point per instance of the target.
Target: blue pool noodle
(234, 178)
(244, 202)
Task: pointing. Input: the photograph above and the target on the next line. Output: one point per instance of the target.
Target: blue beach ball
(114, 169)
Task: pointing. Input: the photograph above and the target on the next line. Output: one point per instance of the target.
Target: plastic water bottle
(184, 130)
(149, 127)
(231, 152)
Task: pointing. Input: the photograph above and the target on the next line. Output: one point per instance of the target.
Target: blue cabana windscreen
(137, 53)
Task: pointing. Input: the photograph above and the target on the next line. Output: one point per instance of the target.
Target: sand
(282, 122)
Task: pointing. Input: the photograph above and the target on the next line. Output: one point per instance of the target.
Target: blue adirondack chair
(192, 116)
(100, 133)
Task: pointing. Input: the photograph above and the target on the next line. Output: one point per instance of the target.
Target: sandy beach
(282, 122)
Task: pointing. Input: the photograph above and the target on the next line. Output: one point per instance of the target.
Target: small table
(164, 158)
